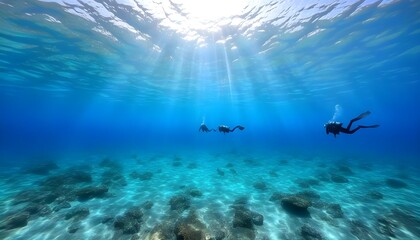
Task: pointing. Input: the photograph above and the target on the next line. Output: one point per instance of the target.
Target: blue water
(116, 89)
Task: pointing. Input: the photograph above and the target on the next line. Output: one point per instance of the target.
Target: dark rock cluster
(310, 233)
(78, 213)
(90, 192)
(260, 186)
(338, 178)
(296, 205)
(190, 228)
(130, 221)
(395, 183)
(141, 176)
(180, 202)
(17, 220)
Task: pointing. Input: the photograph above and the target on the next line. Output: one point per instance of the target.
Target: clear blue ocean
(208, 120)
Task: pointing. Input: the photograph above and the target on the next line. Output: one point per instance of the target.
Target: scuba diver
(204, 128)
(336, 127)
(226, 129)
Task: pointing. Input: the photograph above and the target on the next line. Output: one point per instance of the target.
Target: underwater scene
(209, 120)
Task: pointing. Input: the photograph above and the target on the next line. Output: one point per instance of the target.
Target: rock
(394, 183)
(310, 195)
(195, 192)
(106, 219)
(113, 177)
(61, 206)
(46, 210)
(163, 231)
(375, 195)
(145, 176)
(277, 197)
(130, 222)
(17, 220)
(306, 183)
(33, 196)
(73, 228)
(177, 163)
(243, 218)
(241, 201)
(91, 192)
(147, 205)
(34, 208)
(78, 213)
(260, 186)
(180, 202)
(70, 177)
(310, 233)
(257, 219)
(360, 230)
(386, 227)
(338, 178)
(296, 205)
(408, 219)
(334, 210)
(190, 228)
(242, 234)
(229, 165)
(273, 173)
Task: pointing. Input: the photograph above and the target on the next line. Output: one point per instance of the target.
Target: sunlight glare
(212, 10)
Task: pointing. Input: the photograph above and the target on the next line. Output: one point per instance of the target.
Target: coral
(334, 210)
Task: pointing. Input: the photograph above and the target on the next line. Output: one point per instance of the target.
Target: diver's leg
(365, 114)
(359, 127)
(353, 131)
(239, 126)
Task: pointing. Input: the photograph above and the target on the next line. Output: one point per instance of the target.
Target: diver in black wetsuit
(204, 128)
(226, 129)
(337, 127)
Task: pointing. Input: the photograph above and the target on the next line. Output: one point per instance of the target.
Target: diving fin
(363, 115)
(371, 126)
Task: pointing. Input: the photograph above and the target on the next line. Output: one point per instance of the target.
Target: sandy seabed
(210, 196)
